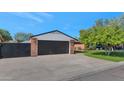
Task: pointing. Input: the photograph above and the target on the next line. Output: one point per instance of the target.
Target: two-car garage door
(52, 47)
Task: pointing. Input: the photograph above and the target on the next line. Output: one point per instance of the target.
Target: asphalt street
(114, 74)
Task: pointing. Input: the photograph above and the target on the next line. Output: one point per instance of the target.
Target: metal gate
(8, 50)
(52, 47)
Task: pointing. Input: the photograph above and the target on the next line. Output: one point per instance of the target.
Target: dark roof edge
(55, 31)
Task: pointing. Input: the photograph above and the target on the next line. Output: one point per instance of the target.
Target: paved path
(52, 67)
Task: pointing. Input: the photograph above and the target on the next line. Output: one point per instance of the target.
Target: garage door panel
(52, 47)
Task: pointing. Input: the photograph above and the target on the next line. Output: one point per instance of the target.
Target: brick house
(53, 42)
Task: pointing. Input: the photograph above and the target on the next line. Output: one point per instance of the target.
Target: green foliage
(106, 32)
(102, 22)
(84, 36)
(109, 36)
(21, 36)
(115, 56)
(4, 35)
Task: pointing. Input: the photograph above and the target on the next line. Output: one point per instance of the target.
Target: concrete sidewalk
(52, 67)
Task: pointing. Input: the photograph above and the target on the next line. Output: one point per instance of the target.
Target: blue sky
(39, 22)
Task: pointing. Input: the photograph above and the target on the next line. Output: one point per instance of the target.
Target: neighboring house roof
(10, 41)
(55, 35)
(26, 42)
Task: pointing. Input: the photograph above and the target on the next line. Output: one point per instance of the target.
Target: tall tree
(84, 34)
(21, 36)
(108, 35)
(4, 35)
(100, 22)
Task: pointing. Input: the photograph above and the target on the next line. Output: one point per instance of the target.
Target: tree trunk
(108, 50)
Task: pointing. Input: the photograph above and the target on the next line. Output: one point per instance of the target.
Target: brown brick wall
(34, 46)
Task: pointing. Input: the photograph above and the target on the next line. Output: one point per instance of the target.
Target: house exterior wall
(34, 47)
(54, 36)
(51, 36)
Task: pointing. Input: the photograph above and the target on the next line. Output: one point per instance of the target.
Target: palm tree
(4, 35)
(1, 38)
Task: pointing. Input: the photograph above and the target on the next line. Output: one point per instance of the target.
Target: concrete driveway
(51, 67)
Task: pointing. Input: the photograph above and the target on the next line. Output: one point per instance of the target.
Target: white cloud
(35, 16)
(45, 14)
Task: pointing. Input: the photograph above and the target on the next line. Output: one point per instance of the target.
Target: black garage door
(52, 47)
